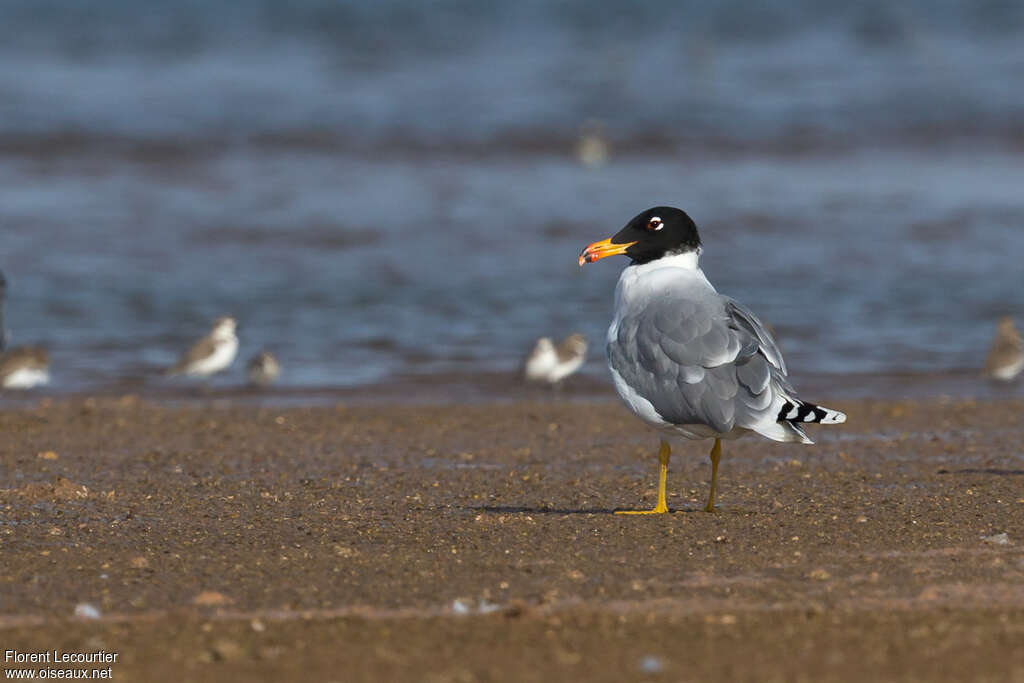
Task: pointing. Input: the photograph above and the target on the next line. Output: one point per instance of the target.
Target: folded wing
(704, 360)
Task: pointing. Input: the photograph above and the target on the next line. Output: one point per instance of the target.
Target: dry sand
(475, 543)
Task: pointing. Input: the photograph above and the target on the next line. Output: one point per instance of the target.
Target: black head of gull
(657, 232)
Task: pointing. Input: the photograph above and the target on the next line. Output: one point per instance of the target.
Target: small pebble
(459, 607)
(651, 665)
(227, 651)
(210, 599)
(84, 610)
(998, 539)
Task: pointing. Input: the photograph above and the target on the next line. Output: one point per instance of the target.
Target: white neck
(688, 260)
(668, 269)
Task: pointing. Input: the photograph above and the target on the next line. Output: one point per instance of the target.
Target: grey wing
(200, 350)
(706, 361)
(744, 319)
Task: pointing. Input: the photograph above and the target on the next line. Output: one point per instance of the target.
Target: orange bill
(599, 250)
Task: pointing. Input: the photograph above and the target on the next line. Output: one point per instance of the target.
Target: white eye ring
(655, 224)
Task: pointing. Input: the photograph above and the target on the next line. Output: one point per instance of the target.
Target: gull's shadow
(522, 509)
(987, 470)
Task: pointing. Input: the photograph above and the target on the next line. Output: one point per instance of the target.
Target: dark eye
(654, 224)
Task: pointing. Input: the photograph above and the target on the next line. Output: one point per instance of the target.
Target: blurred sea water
(379, 190)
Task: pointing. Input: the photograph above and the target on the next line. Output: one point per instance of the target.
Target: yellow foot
(660, 510)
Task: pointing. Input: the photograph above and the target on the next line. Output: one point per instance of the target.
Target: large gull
(687, 360)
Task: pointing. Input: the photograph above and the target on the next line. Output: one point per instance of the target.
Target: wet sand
(476, 543)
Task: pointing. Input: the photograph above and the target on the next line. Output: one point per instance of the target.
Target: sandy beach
(391, 199)
(218, 540)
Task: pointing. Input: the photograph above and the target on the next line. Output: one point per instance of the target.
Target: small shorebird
(211, 354)
(1006, 357)
(21, 367)
(263, 369)
(592, 149)
(24, 367)
(687, 360)
(551, 364)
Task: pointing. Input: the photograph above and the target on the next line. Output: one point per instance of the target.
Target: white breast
(26, 378)
(222, 356)
(1010, 370)
(541, 363)
(563, 369)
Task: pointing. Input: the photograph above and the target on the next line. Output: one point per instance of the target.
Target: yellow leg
(663, 455)
(715, 455)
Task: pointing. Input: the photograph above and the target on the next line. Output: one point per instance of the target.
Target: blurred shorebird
(592, 148)
(21, 367)
(551, 364)
(211, 354)
(538, 364)
(1006, 357)
(687, 360)
(24, 367)
(263, 369)
(3, 299)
